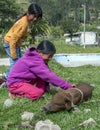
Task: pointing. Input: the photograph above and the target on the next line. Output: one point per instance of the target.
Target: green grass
(10, 118)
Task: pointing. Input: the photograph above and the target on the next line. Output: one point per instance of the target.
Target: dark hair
(32, 9)
(46, 47)
(35, 9)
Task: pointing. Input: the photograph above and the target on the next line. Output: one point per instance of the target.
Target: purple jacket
(31, 66)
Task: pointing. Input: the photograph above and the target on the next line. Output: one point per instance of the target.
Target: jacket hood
(31, 51)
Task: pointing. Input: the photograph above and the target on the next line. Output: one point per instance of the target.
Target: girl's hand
(73, 85)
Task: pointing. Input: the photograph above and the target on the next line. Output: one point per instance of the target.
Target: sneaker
(4, 77)
(12, 96)
(3, 85)
(1, 81)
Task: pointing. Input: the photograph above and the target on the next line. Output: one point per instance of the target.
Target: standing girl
(18, 32)
(30, 76)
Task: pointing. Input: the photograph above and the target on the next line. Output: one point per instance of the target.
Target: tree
(39, 28)
(69, 26)
(56, 10)
(9, 10)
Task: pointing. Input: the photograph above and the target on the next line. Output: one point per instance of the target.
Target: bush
(2, 50)
(56, 32)
(89, 27)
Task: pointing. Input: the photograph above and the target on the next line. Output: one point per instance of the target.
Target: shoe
(12, 96)
(1, 81)
(3, 85)
(4, 77)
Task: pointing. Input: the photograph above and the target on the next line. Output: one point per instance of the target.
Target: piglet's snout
(47, 108)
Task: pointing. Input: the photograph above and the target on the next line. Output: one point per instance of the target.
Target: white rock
(76, 110)
(56, 127)
(46, 125)
(8, 102)
(26, 124)
(90, 121)
(87, 110)
(27, 115)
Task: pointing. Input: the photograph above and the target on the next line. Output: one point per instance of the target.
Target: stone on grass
(87, 110)
(27, 115)
(8, 102)
(26, 124)
(90, 121)
(46, 125)
(76, 110)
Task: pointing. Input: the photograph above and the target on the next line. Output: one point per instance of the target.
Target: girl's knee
(36, 95)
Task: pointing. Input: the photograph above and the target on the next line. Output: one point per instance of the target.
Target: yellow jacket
(16, 35)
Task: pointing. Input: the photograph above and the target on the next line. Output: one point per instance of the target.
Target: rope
(80, 93)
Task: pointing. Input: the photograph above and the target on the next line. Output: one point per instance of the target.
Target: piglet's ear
(68, 97)
(68, 102)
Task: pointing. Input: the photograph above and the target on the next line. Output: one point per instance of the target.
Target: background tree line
(59, 16)
(54, 11)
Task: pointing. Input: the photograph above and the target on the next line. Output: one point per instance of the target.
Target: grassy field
(10, 118)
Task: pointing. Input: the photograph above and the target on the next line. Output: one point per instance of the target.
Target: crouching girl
(30, 76)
